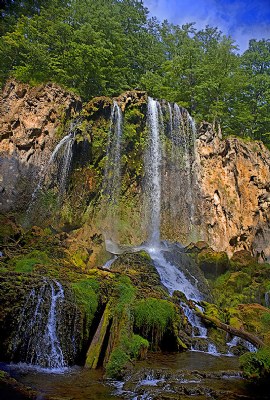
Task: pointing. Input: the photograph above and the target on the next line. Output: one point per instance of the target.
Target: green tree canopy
(105, 47)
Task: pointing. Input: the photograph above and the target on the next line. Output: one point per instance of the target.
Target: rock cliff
(32, 120)
(231, 177)
(234, 181)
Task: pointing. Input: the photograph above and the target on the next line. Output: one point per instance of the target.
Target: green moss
(241, 259)
(86, 293)
(26, 263)
(129, 347)
(256, 366)
(124, 292)
(138, 345)
(80, 258)
(265, 318)
(116, 363)
(152, 317)
(213, 263)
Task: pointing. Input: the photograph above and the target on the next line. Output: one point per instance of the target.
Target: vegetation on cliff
(105, 48)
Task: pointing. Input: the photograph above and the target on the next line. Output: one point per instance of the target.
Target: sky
(241, 19)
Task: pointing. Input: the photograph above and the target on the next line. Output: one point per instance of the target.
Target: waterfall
(112, 174)
(266, 299)
(62, 156)
(37, 339)
(172, 278)
(153, 171)
(64, 143)
(236, 341)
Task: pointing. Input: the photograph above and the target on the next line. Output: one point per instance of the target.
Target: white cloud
(242, 19)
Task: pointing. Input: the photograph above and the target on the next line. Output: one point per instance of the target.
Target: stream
(189, 375)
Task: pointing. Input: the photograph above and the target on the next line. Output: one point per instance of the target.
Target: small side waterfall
(62, 158)
(37, 340)
(112, 174)
(236, 341)
(64, 144)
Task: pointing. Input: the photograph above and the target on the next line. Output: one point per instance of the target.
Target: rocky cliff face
(231, 177)
(32, 120)
(234, 181)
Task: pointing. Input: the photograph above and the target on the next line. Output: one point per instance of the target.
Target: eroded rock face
(234, 181)
(231, 195)
(31, 123)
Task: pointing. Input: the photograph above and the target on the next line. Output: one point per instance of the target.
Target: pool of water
(75, 383)
(189, 375)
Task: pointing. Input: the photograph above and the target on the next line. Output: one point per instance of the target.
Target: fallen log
(255, 340)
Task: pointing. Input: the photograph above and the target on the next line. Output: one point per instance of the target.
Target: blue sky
(241, 19)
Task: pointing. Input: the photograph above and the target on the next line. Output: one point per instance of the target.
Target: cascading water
(111, 187)
(62, 156)
(153, 172)
(171, 277)
(236, 341)
(182, 134)
(65, 142)
(37, 339)
(112, 176)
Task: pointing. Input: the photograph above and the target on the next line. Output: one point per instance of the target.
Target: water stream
(112, 174)
(153, 171)
(37, 339)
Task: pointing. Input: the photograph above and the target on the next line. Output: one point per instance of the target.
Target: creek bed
(179, 376)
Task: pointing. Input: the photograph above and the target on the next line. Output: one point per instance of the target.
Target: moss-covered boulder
(213, 263)
(241, 259)
(256, 366)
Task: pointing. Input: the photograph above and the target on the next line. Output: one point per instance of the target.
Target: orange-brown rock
(234, 181)
(31, 123)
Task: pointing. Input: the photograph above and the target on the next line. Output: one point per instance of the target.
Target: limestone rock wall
(231, 176)
(31, 123)
(234, 184)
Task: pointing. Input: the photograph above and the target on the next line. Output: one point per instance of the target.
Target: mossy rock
(256, 319)
(241, 259)
(213, 263)
(195, 248)
(9, 229)
(140, 268)
(256, 366)
(98, 106)
(155, 319)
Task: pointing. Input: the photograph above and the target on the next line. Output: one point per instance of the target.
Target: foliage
(107, 47)
(152, 317)
(129, 348)
(136, 345)
(256, 366)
